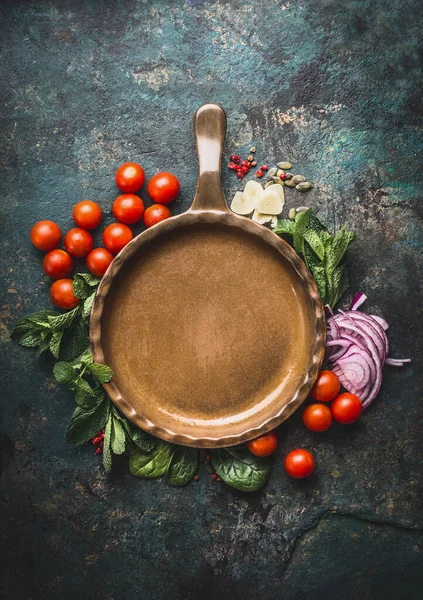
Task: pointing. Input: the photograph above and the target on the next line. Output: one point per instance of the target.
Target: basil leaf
(284, 226)
(64, 372)
(102, 373)
(183, 466)
(64, 320)
(85, 423)
(55, 342)
(75, 341)
(241, 469)
(107, 445)
(118, 437)
(152, 465)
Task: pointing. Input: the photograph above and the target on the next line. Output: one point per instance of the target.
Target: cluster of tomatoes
(346, 409)
(127, 209)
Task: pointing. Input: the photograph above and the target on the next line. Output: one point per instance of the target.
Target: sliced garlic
(274, 222)
(253, 191)
(242, 204)
(275, 187)
(260, 218)
(270, 203)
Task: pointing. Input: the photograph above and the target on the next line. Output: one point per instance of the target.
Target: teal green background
(335, 87)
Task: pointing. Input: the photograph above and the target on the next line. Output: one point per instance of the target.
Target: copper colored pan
(211, 323)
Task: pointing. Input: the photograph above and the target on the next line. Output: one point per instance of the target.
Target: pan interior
(206, 328)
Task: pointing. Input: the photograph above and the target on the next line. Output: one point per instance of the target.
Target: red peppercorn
(259, 173)
(244, 163)
(214, 476)
(264, 168)
(283, 176)
(245, 169)
(235, 158)
(98, 451)
(232, 165)
(240, 174)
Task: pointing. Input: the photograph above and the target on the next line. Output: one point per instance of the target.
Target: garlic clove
(260, 218)
(274, 222)
(270, 203)
(253, 191)
(242, 204)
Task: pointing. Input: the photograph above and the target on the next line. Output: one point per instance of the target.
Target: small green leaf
(319, 275)
(44, 345)
(284, 226)
(241, 469)
(301, 222)
(64, 320)
(41, 317)
(152, 465)
(339, 246)
(83, 385)
(81, 289)
(75, 341)
(87, 306)
(315, 242)
(102, 373)
(30, 339)
(64, 372)
(56, 340)
(85, 423)
(118, 437)
(89, 279)
(183, 465)
(82, 360)
(142, 440)
(107, 445)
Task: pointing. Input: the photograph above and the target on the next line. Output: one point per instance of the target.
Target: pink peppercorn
(259, 173)
(264, 168)
(235, 158)
(283, 176)
(240, 174)
(245, 169)
(232, 165)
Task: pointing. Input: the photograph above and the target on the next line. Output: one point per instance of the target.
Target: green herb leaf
(183, 465)
(340, 244)
(81, 289)
(30, 339)
(102, 373)
(40, 317)
(90, 279)
(315, 243)
(56, 340)
(241, 469)
(118, 437)
(85, 423)
(87, 306)
(64, 372)
(44, 345)
(64, 320)
(284, 226)
(301, 222)
(107, 445)
(141, 440)
(152, 465)
(82, 360)
(75, 341)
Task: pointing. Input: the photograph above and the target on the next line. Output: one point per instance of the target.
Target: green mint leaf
(81, 289)
(118, 437)
(141, 440)
(44, 345)
(64, 372)
(154, 464)
(89, 279)
(40, 317)
(64, 320)
(102, 373)
(82, 360)
(107, 445)
(75, 341)
(241, 469)
(315, 225)
(85, 423)
(284, 226)
(30, 339)
(183, 465)
(318, 272)
(56, 340)
(87, 306)
(340, 244)
(301, 222)
(83, 385)
(337, 284)
(315, 243)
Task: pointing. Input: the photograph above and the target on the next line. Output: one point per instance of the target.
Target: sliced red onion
(358, 300)
(397, 362)
(380, 321)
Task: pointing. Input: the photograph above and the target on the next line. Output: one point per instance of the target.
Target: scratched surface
(333, 85)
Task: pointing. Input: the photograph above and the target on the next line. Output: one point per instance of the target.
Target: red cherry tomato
(128, 208)
(78, 242)
(163, 187)
(130, 177)
(317, 417)
(57, 264)
(98, 261)
(346, 408)
(156, 213)
(46, 235)
(265, 445)
(87, 214)
(326, 386)
(61, 294)
(299, 464)
(116, 236)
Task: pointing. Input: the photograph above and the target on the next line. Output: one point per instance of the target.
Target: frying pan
(212, 324)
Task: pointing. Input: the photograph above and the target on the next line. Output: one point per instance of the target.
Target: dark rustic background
(333, 85)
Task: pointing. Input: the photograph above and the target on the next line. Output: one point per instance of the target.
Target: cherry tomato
(98, 261)
(87, 214)
(57, 264)
(78, 242)
(128, 208)
(299, 464)
(156, 213)
(61, 294)
(130, 177)
(265, 445)
(163, 187)
(46, 235)
(317, 417)
(116, 236)
(346, 408)
(326, 386)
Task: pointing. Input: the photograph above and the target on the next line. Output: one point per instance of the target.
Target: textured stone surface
(333, 85)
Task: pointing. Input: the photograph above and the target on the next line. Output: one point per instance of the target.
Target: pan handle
(209, 132)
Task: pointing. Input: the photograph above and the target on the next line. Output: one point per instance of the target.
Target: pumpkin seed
(289, 175)
(290, 182)
(303, 186)
(280, 172)
(298, 179)
(266, 185)
(302, 208)
(284, 165)
(292, 213)
(271, 173)
(277, 180)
